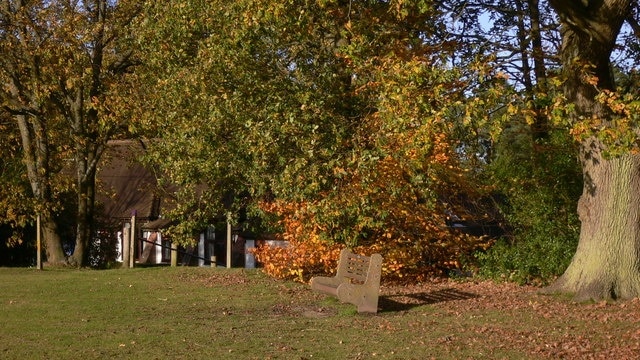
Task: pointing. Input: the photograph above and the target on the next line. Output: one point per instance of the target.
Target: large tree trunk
(607, 262)
(52, 242)
(80, 254)
(85, 209)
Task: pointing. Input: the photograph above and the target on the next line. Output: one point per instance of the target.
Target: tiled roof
(125, 186)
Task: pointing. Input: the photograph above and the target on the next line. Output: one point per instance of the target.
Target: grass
(204, 313)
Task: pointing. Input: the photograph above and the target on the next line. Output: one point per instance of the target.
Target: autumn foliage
(307, 254)
(381, 215)
(350, 123)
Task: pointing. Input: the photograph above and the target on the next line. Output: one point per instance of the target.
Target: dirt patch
(306, 311)
(214, 278)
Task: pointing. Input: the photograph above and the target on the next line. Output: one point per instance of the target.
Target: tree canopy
(373, 124)
(350, 110)
(372, 118)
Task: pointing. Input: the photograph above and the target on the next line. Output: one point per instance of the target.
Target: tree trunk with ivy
(606, 264)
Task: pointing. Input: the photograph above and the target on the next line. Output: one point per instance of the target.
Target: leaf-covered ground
(484, 319)
(509, 316)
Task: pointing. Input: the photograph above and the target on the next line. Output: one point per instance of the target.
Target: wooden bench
(357, 281)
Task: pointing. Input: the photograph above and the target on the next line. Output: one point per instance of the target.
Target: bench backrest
(353, 266)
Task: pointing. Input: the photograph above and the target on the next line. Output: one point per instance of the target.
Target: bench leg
(365, 298)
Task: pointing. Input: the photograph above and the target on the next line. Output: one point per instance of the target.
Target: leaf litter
(493, 315)
(482, 315)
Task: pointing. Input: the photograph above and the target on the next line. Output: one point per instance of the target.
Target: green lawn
(204, 313)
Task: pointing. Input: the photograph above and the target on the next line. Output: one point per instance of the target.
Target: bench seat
(357, 281)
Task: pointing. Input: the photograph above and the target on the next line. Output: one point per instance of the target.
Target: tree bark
(86, 180)
(606, 264)
(36, 158)
(52, 242)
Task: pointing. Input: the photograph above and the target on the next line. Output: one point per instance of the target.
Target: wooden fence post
(228, 243)
(174, 254)
(126, 239)
(132, 242)
(38, 244)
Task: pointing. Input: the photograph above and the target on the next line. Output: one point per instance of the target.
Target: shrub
(542, 182)
(308, 254)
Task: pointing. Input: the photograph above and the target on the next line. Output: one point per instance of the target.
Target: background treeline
(387, 126)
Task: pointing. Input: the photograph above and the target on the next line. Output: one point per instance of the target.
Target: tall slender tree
(62, 61)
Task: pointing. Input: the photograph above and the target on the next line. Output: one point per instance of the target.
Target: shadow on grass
(403, 302)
